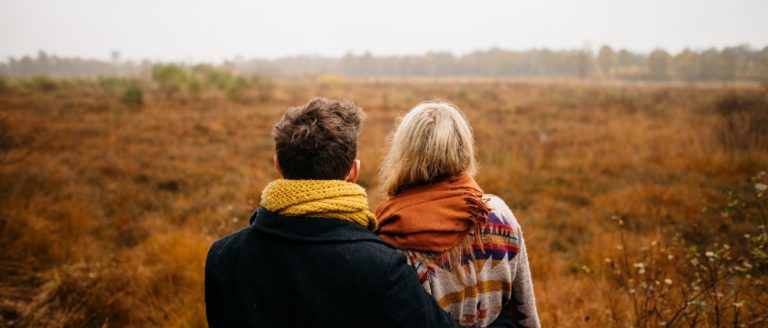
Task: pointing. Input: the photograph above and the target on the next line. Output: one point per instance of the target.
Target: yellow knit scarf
(334, 199)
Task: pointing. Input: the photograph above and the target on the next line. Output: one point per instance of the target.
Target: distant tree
(115, 56)
(13, 65)
(606, 58)
(659, 65)
(115, 61)
(709, 64)
(584, 63)
(42, 65)
(686, 65)
(733, 62)
(761, 66)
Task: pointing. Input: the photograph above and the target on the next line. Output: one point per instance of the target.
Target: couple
(437, 253)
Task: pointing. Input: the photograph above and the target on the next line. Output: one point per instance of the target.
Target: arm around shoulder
(405, 303)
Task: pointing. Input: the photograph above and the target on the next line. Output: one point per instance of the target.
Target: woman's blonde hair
(433, 141)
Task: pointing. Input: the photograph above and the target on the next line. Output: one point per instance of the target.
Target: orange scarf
(434, 217)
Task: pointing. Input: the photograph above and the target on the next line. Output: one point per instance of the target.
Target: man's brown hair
(318, 140)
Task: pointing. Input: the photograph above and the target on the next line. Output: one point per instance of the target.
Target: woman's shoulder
(500, 213)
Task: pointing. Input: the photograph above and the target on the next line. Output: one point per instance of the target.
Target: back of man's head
(318, 140)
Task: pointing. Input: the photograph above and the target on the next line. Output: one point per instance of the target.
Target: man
(310, 257)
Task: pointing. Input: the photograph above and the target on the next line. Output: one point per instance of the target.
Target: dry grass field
(642, 204)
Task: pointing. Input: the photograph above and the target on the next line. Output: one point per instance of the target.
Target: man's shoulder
(341, 239)
(228, 243)
(352, 244)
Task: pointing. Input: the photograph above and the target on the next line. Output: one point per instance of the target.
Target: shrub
(40, 83)
(265, 87)
(218, 78)
(171, 78)
(133, 95)
(195, 86)
(683, 284)
(11, 145)
(743, 121)
(7, 140)
(235, 88)
(110, 84)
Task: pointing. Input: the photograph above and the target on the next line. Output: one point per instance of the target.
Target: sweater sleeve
(522, 306)
(520, 311)
(405, 303)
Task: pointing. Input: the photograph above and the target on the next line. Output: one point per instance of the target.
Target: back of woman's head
(433, 141)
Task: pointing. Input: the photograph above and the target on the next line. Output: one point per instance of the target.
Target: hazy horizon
(198, 31)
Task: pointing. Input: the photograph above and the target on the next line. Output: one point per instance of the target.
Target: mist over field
(733, 63)
(630, 141)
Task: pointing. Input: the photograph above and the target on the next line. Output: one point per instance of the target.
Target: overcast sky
(214, 30)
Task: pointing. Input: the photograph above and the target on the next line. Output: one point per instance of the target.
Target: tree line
(741, 63)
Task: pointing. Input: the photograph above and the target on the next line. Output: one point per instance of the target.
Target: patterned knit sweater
(491, 278)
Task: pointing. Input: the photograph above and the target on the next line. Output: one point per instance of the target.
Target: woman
(467, 247)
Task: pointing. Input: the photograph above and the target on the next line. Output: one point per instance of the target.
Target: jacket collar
(307, 229)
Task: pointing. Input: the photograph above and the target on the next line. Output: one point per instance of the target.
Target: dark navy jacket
(310, 272)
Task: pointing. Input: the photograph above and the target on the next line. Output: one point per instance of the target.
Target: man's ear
(278, 168)
(354, 172)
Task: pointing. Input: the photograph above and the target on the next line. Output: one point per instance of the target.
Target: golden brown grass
(107, 210)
